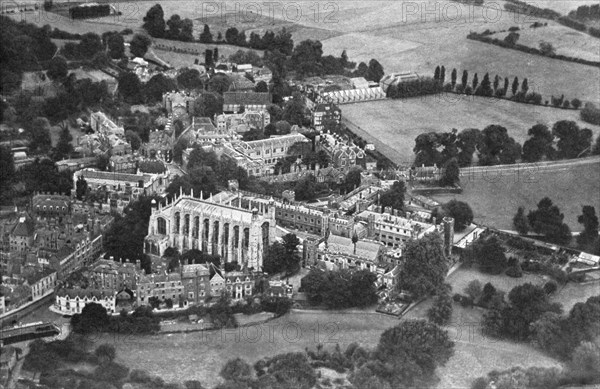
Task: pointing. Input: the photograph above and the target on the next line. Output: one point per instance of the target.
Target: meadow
(565, 40)
(399, 122)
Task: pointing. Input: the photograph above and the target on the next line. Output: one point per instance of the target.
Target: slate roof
(342, 245)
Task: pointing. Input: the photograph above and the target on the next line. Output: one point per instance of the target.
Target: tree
(590, 225)
(475, 82)
(520, 222)
(496, 147)
(546, 48)
(450, 173)
(548, 220)
(461, 212)
(490, 256)
(89, 45)
(154, 21)
(215, 55)
(524, 86)
(206, 36)
(57, 69)
(573, 142)
(512, 38)
(134, 139)
(189, 79)
(453, 78)
(64, 148)
(7, 172)
(474, 290)
(236, 369)
(425, 266)
(465, 78)
(139, 45)
(375, 71)
(352, 180)
(412, 350)
(231, 36)
(496, 82)
(157, 86)
(442, 75)
(515, 86)
(394, 197)
(306, 188)
(585, 362)
(130, 88)
(441, 310)
(539, 144)
(467, 141)
(436, 73)
(39, 135)
(93, 318)
(105, 353)
(116, 46)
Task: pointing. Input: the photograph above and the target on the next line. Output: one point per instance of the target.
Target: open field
(399, 122)
(476, 355)
(400, 34)
(495, 198)
(561, 6)
(565, 40)
(201, 355)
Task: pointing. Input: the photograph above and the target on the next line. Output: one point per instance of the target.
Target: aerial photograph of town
(313, 194)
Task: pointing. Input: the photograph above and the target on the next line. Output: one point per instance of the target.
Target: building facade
(213, 225)
(72, 301)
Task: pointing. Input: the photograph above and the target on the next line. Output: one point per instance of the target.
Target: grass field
(495, 200)
(565, 40)
(399, 122)
(201, 355)
(573, 293)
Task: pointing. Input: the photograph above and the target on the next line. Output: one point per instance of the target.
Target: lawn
(399, 122)
(495, 200)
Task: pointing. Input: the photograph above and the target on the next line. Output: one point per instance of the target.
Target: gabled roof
(247, 98)
(342, 245)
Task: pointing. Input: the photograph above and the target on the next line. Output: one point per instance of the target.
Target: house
(325, 112)
(100, 123)
(240, 83)
(72, 301)
(163, 286)
(279, 289)
(132, 185)
(252, 101)
(41, 283)
(338, 252)
(359, 83)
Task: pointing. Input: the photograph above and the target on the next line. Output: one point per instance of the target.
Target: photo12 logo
(269, 12)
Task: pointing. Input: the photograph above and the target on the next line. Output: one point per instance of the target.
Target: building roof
(82, 293)
(38, 275)
(25, 226)
(113, 176)
(247, 98)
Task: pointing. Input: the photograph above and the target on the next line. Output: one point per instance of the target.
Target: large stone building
(72, 301)
(251, 101)
(215, 226)
(326, 112)
(108, 274)
(131, 185)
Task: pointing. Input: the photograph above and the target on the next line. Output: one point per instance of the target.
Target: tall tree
(436, 73)
(39, 135)
(57, 69)
(524, 86)
(425, 266)
(64, 148)
(154, 22)
(496, 82)
(453, 78)
(573, 142)
(116, 46)
(539, 144)
(139, 45)
(394, 197)
(442, 75)
(548, 220)
(375, 71)
(450, 173)
(490, 255)
(461, 213)
(515, 86)
(465, 78)
(411, 351)
(475, 82)
(520, 222)
(590, 225)
(206, 36)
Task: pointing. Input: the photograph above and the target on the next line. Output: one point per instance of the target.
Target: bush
(576, 277)
(514, 271)
(550, 287)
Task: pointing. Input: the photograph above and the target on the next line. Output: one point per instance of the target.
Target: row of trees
(548, 220)
(175, 28)
(494, 146)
